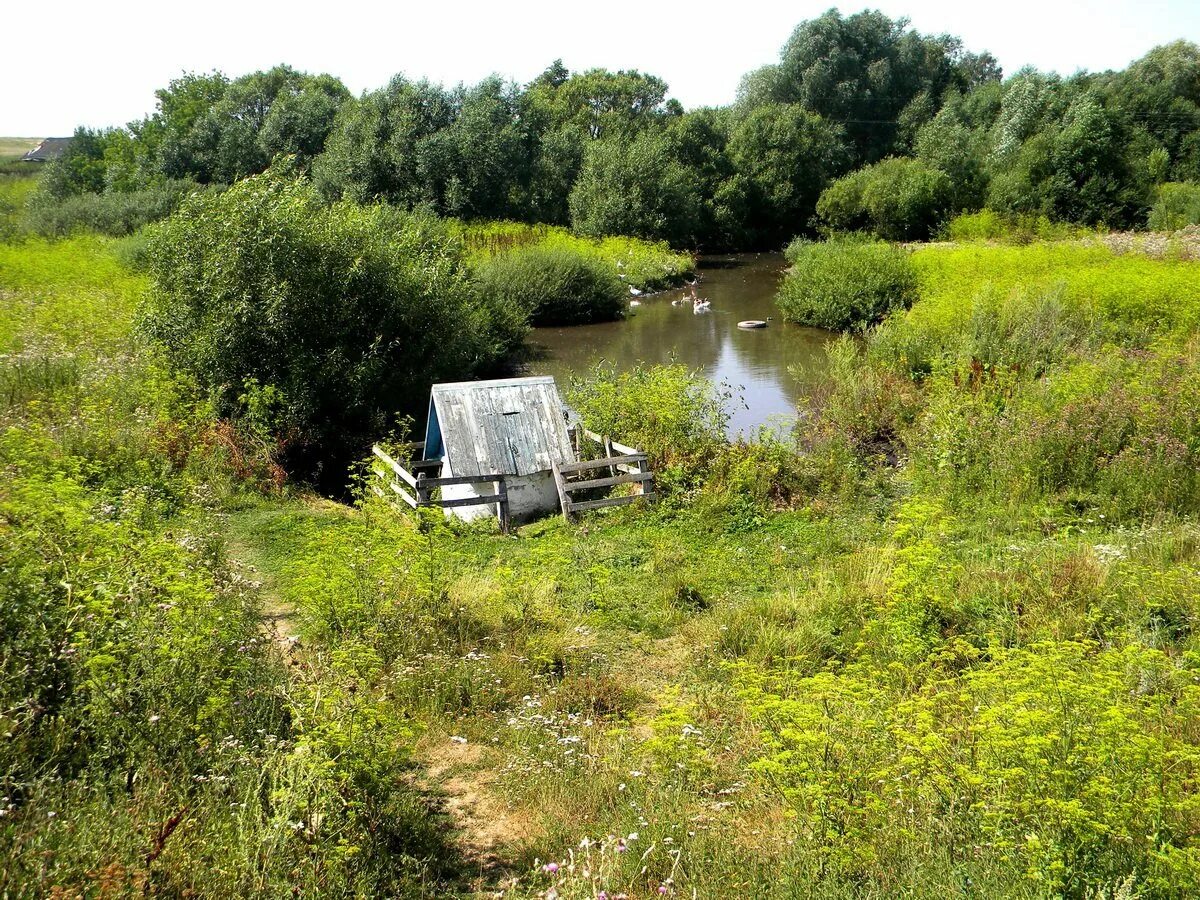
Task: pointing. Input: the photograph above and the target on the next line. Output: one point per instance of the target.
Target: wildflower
(550, 868)
(153, 719)
(663, 889)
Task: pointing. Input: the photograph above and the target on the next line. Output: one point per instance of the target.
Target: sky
(72, 63)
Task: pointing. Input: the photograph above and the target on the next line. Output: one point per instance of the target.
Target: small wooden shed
(515, 427)
(503, 448)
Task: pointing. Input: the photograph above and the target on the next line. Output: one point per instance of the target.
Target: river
(758, 364)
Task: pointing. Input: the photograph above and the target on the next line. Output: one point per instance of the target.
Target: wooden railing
(416, 487)
(625, 465)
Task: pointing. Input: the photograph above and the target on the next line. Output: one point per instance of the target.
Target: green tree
(300, 120)
(699, 143)
(478, 166)
(374, 150)
(81, 168)
(345, 314)
(782, 157)
(897, 199)
(1160, 94)
(1093, 181)
(871, 73)
(635, 186)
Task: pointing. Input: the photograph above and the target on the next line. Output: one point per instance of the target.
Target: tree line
(862, 124)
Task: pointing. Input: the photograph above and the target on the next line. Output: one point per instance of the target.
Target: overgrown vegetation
(645, 265)
(946, 637)
(553, 286)
(845, 283)
(242, 277)
(942, 641)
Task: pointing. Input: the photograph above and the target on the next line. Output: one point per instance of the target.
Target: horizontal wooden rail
(456, 479)
(609, 482)
(631, 467)
(395, 467)
(424, 486)
(608, 463)
(609, 501)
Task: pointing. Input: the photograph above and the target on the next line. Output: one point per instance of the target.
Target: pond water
(759, 365)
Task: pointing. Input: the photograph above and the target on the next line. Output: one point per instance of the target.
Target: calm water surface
(757, 364)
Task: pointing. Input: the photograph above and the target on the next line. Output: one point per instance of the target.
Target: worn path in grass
(455, 776)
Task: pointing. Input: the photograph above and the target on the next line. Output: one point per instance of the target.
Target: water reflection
(755, 363)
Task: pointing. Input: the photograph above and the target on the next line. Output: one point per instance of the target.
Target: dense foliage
(321, 323)
(1176, 205)
(845, 283)
(901, 129)
(155, 741)
(897, 199)
(552, 285)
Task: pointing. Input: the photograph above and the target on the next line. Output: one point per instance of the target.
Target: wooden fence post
(561, 484)
(502, 503)
(644, 467)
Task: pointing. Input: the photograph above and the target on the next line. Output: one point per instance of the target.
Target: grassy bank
(646, 265)
(945, 644)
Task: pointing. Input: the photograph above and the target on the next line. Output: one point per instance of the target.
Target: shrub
(897, 199)
(634, 187)
(115, 213)
(1176, 206)
(346, 313)
(985, 225)
(676, 415)
(554, 286)
(845, 282)
(649, 265)
(1010, 228)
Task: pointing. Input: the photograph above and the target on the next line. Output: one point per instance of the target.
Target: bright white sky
(85, 62)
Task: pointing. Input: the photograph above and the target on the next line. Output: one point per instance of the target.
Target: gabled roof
(512, 426)
(50, 148)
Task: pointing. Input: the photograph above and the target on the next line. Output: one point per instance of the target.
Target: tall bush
(341, 316)
(118, 213)
(554, 285)
(897, 199)
(677, 416)
(1176, 205)
(845, 283)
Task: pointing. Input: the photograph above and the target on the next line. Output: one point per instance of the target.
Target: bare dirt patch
(489, 828)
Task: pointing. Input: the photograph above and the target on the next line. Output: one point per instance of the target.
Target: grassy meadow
(941, 644)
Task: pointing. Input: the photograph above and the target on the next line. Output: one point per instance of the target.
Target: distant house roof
(50, 148)
(512, 426)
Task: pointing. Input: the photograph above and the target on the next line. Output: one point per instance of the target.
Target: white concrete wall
(529, 496)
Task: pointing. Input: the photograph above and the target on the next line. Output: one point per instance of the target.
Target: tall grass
(117, 213)
(646, 265)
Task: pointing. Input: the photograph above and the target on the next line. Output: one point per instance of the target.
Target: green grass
(72, 293)
(646, 265)
(17, 146)
(946, 644)
(1129, 299)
